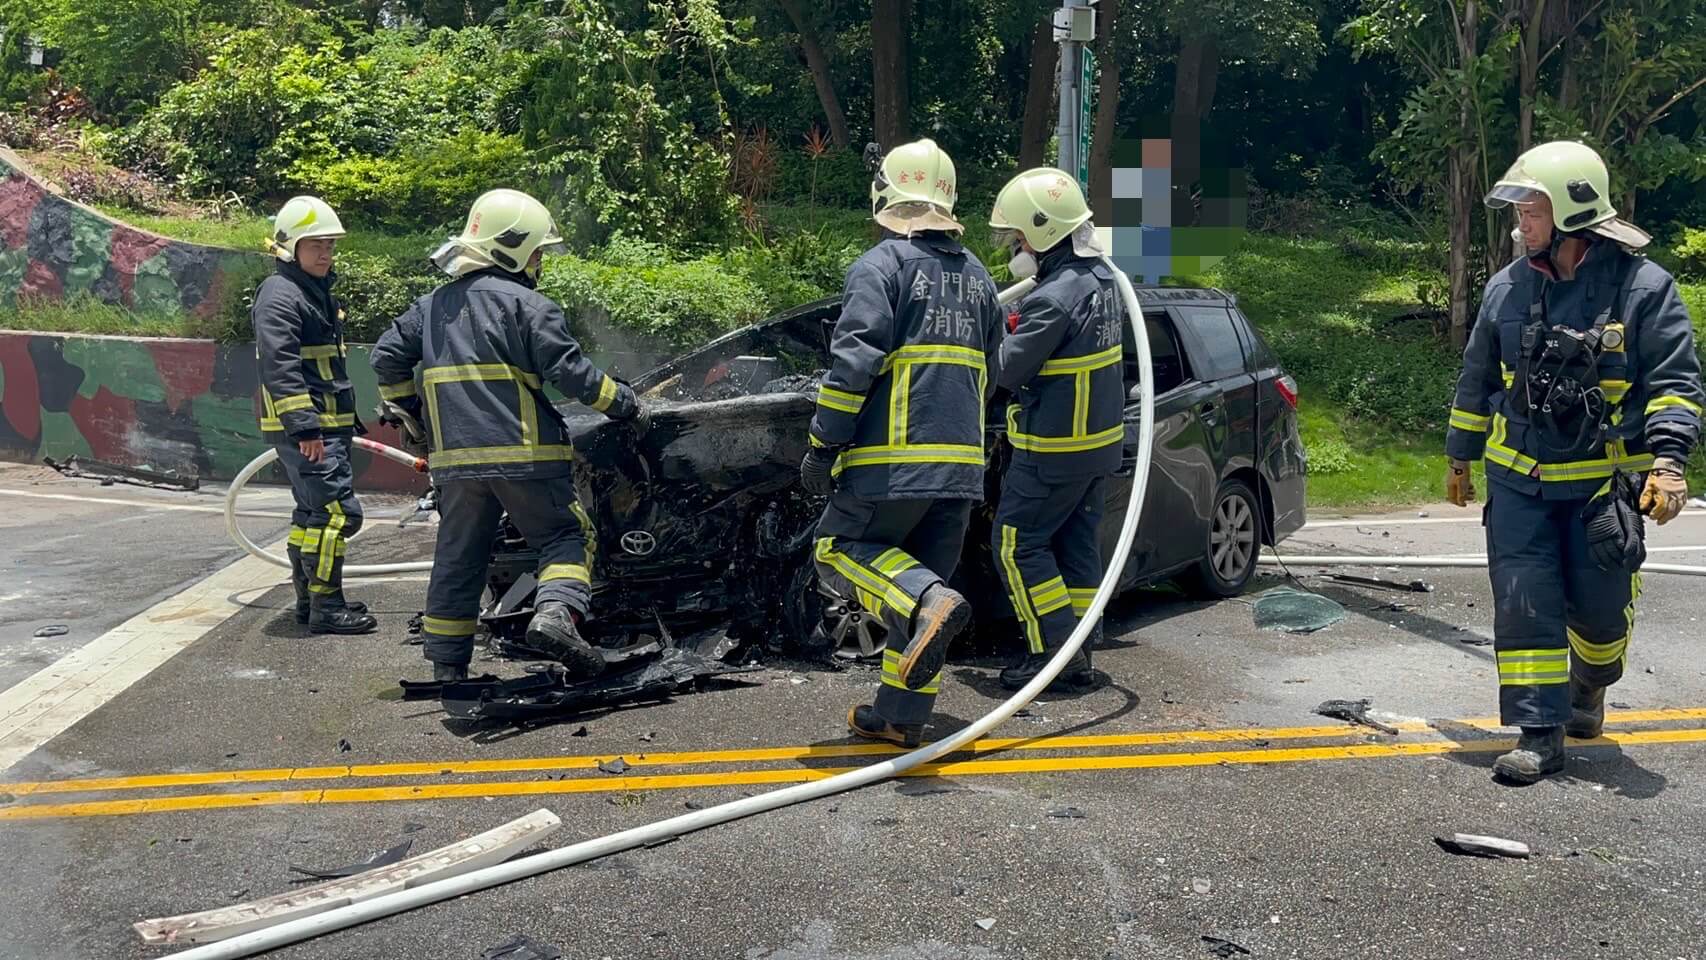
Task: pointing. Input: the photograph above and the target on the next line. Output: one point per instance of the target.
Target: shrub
(265, 114)
(1691, 253)
(427, 185)
(376, 289)
(1330, 457)
(683, 303)
(1405, 382)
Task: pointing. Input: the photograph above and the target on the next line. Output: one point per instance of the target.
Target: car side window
(1262, 356)
(1164, 354)
(1219, 352)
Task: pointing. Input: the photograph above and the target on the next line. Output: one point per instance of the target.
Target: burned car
(703, 533)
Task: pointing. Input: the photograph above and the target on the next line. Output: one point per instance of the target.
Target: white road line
(48, 703)
(1474, 518)
(145, 504)
(188, 507)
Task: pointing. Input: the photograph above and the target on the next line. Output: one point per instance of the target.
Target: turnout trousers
(887, 553)
(1048, 552)
(1555, 612)
(327, 514)
(470, 512)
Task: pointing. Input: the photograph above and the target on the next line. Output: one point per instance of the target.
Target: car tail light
(1287, 389)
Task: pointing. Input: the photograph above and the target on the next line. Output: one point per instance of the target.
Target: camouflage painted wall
(53, 249)
(184, 405)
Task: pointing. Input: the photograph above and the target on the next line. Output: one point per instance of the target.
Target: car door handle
(1210, 412)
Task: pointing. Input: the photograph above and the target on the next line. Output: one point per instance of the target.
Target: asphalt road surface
(184, 744)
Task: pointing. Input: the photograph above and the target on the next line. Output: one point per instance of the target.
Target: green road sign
(1086, 123)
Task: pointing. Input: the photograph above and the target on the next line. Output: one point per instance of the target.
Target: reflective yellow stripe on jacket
(1617, 457)
(1081, 439)
(528, 450)
(900, 365)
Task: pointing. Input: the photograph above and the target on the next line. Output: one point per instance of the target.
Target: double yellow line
(1251, 749)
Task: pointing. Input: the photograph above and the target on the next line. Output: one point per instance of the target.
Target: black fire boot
(299, 581)
(1539, 753)
(1076, 674)
(449, 672)
(553, 631)
(942, 613)
(862, 721)
(327, 613)
(1587, 711)
(301, 572)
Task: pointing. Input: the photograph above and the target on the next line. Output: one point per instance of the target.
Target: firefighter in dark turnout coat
(486, 344)
(897, 441)
(1581, 391)
(307, 410)
(1061, 363)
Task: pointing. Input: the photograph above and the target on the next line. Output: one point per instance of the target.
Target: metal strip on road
(46, 704)
(1103, 762)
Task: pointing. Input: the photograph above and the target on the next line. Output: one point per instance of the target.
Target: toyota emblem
(639, 543)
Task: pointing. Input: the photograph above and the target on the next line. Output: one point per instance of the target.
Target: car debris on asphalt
(1224, 948)
(1474, 845)
(1296, 611)
(1354, 711)
(521, 947)
(383, 858)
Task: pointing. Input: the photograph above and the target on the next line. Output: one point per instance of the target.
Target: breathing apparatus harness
(1556, 385)
(1557, 388)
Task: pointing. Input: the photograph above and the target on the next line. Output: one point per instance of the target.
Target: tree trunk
(821, 77)
(1528, 72)
(1107, 116)
(1194, 81)
(1460, 200)
(891, 29)
(1462, 182)
(1040, 100)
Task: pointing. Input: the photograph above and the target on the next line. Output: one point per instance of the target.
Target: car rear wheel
(1234, 539)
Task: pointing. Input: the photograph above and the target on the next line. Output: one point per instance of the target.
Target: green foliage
(86, 315)
(1691, 253)
(1330, 457)
(630, 157)
(125, 53)
(376, 289)
(681, 302)
(427, 184)
(267, 115)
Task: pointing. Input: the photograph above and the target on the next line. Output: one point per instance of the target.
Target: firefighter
(1581, 391)
(487, 344)
(1061, 363)
(897, 440)
(308, 410)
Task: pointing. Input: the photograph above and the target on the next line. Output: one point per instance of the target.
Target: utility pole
(1074, 28)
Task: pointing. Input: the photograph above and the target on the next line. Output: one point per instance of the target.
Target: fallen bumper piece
(465, 856)
(109, 473)
(547, 694)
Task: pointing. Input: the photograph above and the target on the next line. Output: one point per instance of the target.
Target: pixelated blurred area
(1175, 214)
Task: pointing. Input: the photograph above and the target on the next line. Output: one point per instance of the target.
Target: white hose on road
(1464, 563)
(260, 553)
(357, 913)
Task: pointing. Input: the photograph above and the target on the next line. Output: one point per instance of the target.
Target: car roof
(1149, 293)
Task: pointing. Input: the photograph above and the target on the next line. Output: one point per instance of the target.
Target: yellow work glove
(1459, 487)
(1666, 491)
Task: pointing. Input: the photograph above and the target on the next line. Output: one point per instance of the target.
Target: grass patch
(84, 315)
